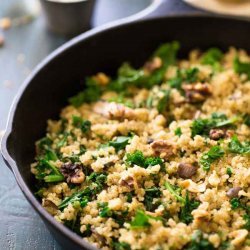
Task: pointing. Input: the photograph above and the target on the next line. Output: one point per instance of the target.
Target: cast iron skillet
(59, 76)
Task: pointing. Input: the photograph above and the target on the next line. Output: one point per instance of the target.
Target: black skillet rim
(11, 162)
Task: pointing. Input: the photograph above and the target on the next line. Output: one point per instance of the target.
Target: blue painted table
(25, 46)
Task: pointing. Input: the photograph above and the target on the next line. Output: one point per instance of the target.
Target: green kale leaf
(211, 156)
(237, 147)
(241, 67)
(78, 122)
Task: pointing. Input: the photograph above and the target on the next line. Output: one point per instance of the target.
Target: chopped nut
(216, 134)
(73, 172)
(233, 192)
(163, 148)
(152, 65)
(197, 92)
(193, 187)
(114, 110)
(102, 78)
(5, 23)
(186, 170)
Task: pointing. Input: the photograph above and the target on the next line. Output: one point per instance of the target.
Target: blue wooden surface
(25, 47)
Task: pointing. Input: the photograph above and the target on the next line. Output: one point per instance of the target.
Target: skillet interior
(60, 77)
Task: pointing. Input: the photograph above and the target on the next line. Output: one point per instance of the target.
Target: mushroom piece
(186, 170)
(163, 148)
(50, 206)
(233, 192)
(73, 172)
(197, 92)
(216, 134)
(128, 182)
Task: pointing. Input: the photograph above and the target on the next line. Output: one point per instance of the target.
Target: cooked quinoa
(155, 157)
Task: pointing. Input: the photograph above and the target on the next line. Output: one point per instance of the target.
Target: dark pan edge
(4, 142)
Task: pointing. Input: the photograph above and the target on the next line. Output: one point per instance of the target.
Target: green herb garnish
(212, 57)
(78, 122)
(241, 67)
(237, 147)
(120, 142)
(91, 93)
(211, 156)
(189, 205)
(217, 120)
(141, 220)
(164, 101)
(137, 158)
(178, 132)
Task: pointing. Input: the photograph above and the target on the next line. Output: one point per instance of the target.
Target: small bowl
(68, 17)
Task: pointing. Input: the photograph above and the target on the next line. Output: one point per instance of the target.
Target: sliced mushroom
(186, 170)
(128, 182)
(99, 238)
(163, 149)
(150, 140)
(216, 134)
(50, 206)
(197, 92)
(73, 172)
(233, 192)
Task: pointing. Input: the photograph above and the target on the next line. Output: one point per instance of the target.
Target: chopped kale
(212, 57)
(120, 142)
(137, 158)
(183, 76)
(246, 119)
(63, 138)
(127, 76)
(120, 245)
(98, 180)
(175, 191)
(84, 125)
(217, 120)
(120, 99)
(48, 172)
(77, 196)
(237, 147)
(189, 205)
(105, 211)
(211, 156)
(198, 242)
(91, 93)
(241, 67)
(150, 195)
(178, 132)
(74, 225)
(229, 172)
(141, 220)
(129, 197)
(96, 184)
(164, 101)
(237, 203)
(246, 217)
(191, 75)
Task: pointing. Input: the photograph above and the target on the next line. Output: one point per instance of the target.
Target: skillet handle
(4, 151)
